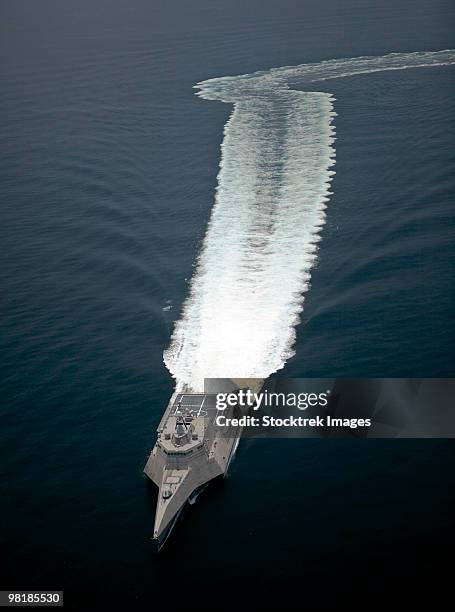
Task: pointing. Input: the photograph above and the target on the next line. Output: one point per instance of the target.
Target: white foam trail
(273, 186)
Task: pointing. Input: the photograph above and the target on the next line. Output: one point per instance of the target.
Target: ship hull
(191, 450)
(163, 537)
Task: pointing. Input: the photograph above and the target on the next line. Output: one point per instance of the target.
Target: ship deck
(190, 404)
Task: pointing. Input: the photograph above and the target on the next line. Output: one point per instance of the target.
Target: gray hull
(190, 451)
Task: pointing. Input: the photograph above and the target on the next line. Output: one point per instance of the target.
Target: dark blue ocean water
(107, 176)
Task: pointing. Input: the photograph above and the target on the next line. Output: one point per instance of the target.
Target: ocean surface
(109, 168)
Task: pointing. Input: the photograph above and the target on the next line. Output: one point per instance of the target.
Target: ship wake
(277, 159)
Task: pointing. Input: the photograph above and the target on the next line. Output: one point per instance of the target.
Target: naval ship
(190, 451)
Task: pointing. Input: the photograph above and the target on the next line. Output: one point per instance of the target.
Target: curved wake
(273, 187)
